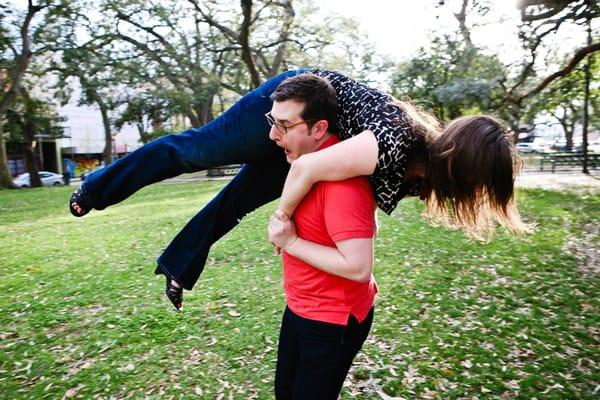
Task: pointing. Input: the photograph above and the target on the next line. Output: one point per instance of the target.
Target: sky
(400, 27)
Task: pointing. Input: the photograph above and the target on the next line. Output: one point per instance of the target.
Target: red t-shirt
(330, 212)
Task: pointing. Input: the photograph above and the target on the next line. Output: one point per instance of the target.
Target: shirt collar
(329, 142)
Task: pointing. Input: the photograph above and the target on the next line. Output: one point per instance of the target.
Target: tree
(191, 53)
(82, 50)
(456, 77)
(91, 66)
(28, 119)
(563, 101)
(148, 112)
(450, 79)
(336, 43)
(453, 76)
(13, 64)
(541, 19)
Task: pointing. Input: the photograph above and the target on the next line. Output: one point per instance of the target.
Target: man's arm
(351, 258)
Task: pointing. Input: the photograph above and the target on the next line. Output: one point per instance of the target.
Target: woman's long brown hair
(471, 167)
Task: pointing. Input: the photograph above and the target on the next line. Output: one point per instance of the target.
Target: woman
(465, 173)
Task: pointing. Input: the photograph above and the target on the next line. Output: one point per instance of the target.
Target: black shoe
(79, 204)
(174, 293)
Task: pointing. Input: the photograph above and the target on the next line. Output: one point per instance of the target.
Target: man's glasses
(283, 129)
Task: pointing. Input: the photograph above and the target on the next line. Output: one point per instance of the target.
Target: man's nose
(274, 134)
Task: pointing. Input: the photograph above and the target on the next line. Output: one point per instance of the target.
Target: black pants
(314, 357)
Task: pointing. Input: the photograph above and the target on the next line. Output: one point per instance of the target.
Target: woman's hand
(282, 231)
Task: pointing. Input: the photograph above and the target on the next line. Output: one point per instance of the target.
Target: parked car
(561, 145)
(594, 146)
(91, 171)
(525, 147)
(539, 145)
(48, 179)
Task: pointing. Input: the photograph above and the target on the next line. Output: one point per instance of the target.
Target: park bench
(224, 170)
(568, 159)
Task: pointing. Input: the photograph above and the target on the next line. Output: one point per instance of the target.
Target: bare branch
(244, 38)
(283, 38)
(579, 55)
(152, 54)
(168, 47)
(211, 21)
(461, 17)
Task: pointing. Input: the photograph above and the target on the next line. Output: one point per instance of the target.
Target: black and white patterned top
(363, 108)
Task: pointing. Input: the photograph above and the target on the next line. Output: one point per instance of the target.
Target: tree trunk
(568, 130)
(12, 89)
(31, 164)
(108, 145)
(144, 137)
(244, 40)
(283, 37)
(569, 136)
(22, 61)
(203, 112)
(207, 114)
(194, 119)
(586, 100)
(5, 178)
(461, 17)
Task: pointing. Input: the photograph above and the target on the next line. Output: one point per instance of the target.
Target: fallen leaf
(386, 397)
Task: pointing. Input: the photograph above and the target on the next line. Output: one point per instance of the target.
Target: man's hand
(282, 231)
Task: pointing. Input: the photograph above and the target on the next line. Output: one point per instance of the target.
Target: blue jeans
(238, 136)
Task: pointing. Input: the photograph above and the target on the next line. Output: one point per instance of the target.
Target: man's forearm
(355, 263)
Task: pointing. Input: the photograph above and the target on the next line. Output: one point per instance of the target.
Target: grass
(83, 316)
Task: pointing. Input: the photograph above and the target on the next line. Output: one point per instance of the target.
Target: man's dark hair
(315, 92)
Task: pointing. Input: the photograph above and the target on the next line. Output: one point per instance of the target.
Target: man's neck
(325, 138)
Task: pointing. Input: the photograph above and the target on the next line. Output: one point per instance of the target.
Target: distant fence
(224, 170)
(554, 160)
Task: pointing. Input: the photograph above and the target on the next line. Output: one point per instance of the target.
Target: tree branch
(231, 35)
(244, 38)
(23, 60)
(579, 55)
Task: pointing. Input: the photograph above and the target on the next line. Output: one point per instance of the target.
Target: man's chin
(290, 157)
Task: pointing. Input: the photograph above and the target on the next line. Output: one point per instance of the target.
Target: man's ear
(320, 129)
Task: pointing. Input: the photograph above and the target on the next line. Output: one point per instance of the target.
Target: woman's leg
(256, 184)
(239, 135)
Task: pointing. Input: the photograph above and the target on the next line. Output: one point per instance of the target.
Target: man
(327, 252)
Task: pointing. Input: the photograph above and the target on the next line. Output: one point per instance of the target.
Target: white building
(84, 126)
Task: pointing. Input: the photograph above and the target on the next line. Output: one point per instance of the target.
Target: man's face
(297, 140)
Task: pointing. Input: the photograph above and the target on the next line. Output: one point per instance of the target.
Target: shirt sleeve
(395, 138)
(349, 209)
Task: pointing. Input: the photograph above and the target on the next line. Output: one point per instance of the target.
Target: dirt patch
(572, 180)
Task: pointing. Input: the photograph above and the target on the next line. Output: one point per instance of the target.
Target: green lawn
(83, 316)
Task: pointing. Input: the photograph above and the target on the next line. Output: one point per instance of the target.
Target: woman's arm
(356, 156)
